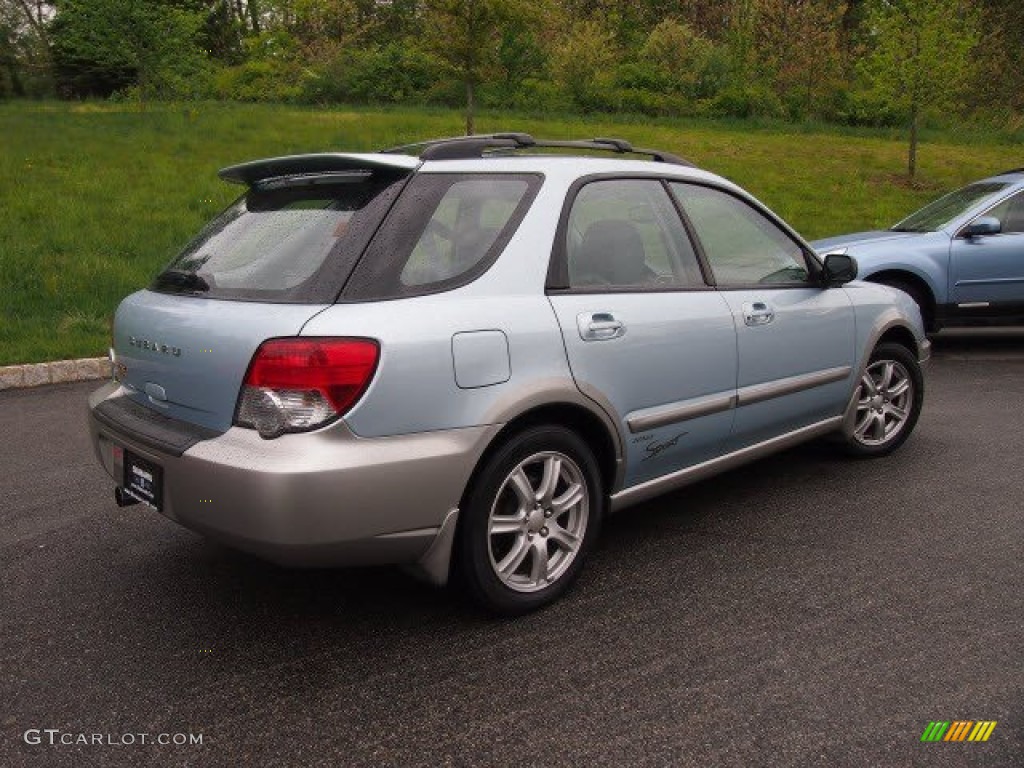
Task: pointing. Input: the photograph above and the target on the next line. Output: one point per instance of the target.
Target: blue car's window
(287, 240)
(1010, 213)
(937, 215)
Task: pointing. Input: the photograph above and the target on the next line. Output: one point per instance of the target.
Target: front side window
(742, 245)
(444, 231)
(625, 233)
(1010, 213)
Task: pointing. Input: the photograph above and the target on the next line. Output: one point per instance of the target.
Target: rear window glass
(444, 231)
(288, 240)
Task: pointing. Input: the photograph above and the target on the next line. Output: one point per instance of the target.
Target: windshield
(937, 215)
(287, 240)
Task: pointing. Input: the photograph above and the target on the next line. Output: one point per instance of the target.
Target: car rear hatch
(262, 269)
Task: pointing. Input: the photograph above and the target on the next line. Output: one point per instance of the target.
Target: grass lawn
(95, 197)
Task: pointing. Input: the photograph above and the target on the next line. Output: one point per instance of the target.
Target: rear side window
(444, 231)
(286, 240)
(625, 233)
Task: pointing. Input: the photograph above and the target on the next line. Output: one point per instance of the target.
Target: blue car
(961, 258)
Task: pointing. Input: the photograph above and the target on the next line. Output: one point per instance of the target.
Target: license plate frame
(143, 480)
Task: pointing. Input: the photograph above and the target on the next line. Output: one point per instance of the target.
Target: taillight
(295, 385)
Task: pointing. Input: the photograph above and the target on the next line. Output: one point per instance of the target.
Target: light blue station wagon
(460, 356)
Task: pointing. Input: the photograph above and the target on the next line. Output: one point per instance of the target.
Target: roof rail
(465, 147)
(1012, 170)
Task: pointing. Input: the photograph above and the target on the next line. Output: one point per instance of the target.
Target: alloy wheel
(538, 521)
(885, 402)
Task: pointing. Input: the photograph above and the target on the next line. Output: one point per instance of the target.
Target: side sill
(644, 491)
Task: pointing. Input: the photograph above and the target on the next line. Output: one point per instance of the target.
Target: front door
(795, 340)
(645, 335)
(986, 274)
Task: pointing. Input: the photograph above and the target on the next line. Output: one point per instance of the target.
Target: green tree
(102, 46)
(920, 57)
(25, 65)
(584, 63)
(10, 83)
(685, 59)
(998, 89)
(798, 45)
(465, 35)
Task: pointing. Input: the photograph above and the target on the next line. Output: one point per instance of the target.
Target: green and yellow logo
(959, 730)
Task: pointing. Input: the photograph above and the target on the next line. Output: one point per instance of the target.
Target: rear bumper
(322, 498)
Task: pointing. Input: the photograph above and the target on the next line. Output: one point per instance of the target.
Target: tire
(887, 403)
(921, 296)
(521, 543)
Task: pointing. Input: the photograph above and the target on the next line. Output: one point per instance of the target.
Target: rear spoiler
(300, 165)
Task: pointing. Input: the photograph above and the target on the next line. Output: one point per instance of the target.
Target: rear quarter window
(445, 231)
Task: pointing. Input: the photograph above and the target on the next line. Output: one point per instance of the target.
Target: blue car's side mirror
(983, 225)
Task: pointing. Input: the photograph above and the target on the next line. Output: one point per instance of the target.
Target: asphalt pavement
(804, 610)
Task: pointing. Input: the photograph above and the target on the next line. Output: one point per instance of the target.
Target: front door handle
(599, 326)
(757, 313)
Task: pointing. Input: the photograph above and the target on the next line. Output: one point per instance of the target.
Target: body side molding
(757, 393)
(652, 418)
(662, 416)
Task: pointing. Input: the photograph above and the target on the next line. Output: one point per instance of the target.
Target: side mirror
(982, 226)
(839, 268)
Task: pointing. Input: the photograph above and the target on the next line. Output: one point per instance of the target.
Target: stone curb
(57, 372)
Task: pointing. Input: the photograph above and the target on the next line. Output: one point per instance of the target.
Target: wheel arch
(899, 334)
(923, 290)
(589, 426)
(556, 404)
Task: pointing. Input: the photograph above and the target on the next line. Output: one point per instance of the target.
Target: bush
(644, 76)
(260, 81)
(747, 100)
(583, 64)
(862, 107)
(645, 101)
(388, 74)
(682, 61)
(529, 95)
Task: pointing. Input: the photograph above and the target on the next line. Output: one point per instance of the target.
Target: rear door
(645, 335)
(795, 339)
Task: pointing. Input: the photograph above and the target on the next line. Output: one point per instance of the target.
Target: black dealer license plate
(143, 480)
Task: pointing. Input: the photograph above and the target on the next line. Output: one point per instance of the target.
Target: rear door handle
(757, 313)
(599, 326)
